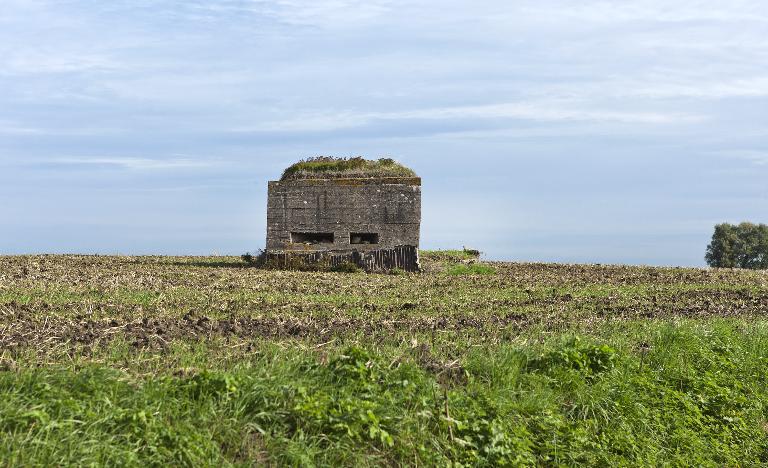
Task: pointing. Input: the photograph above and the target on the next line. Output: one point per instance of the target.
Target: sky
(550, 130)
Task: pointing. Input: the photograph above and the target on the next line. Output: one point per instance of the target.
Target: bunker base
(403, 257)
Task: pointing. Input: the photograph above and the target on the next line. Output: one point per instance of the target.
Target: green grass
(647, 394)
(470, 269)
(450, 255)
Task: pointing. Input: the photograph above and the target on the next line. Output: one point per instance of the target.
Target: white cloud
(727, 88)
(56, 61)
(329, 12)
(313, 13)
(140, 164)
(540, 111)
(11, 128)
(613, 11)
(655, 85)
(16, 129)
(546, 111)
(759, 158)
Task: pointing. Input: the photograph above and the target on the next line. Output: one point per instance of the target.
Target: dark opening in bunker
(312, 237)
(363, 238)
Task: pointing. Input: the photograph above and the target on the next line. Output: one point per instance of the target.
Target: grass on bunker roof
(329, 167)
(204, 361)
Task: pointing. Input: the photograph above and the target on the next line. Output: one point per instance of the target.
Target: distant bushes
(739, 246)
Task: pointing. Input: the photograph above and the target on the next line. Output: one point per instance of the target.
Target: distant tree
(721, 251)
(739, 246)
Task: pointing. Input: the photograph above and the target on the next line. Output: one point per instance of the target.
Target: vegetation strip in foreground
(690, 394)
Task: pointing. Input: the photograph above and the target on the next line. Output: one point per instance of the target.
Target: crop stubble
(65, 301)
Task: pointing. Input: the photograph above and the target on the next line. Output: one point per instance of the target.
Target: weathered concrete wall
(404, 257)
(389, 207)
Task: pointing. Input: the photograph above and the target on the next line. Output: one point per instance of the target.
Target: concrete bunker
(337, 210)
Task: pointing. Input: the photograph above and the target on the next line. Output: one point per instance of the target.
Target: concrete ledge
(348, 181)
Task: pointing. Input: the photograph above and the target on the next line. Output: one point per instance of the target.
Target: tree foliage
(739, 246)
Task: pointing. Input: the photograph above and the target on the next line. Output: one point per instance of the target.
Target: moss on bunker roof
(326, 167)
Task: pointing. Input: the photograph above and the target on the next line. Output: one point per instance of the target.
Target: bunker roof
(327, 167)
